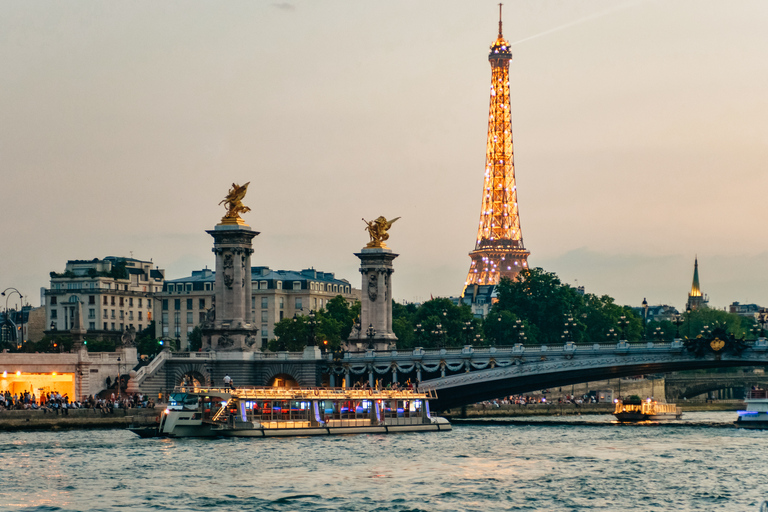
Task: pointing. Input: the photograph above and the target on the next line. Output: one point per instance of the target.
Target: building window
(170, 287)
(297, 285)
(54, 313)
(165, 320)
(130, 302)
(264, 302)
(262, 285)
(314, 303)
(279, 285)
(140, 327)
(165, 330)
(189, 303)
(91, 326)
(177, 331)
(91, 313)
(113, 326)
(122, 314)
(130, 315)
(253, 302)
(139, 302)
(177, 304)
(201, 317)
(202, 304)
(264, 332)
(53, 300)
(298, 304)
(281, 315)
(112, 302)
(105, 300)
(113, 314)
(189, 318)
(122, 302)
(149, 304)
(105, 326)
(264, 316)
(282, 302)
(165, 304)
(177, 319)
(189, 287)
(141, 313)
(207, 287)
(91, 299)
(106, 314)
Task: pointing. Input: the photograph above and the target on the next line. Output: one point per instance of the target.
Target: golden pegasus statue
(377, 229)
(234, 204)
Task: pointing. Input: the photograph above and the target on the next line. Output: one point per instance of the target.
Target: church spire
(696, 299)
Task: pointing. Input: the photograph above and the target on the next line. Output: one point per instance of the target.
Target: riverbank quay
(77, 419)
(512, 410)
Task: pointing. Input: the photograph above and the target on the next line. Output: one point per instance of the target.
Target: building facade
(276, 294)
(115, 293)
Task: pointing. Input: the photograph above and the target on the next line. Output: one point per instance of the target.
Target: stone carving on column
(373, 285)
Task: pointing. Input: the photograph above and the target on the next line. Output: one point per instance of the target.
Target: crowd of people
(56, 403)
(523, 400)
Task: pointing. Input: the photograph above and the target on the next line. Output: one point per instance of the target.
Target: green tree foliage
(332, 326)
(195, 339)
(291, 334)
(417, 326)
(146, 343)
(543, 304)
(695, 321)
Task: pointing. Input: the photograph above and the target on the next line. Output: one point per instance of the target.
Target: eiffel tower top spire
(499, 250)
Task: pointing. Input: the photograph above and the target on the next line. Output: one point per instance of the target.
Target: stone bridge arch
(282, 370)
(198, 372)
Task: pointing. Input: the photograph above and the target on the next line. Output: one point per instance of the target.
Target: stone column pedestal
(376, 306)
(232, 327)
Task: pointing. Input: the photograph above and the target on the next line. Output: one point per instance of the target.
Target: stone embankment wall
(76, 419)
(478, 411)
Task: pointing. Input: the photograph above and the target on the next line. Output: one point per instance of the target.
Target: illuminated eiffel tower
(499, 250)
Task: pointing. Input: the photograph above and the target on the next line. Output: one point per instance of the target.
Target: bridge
(460, 376)
(688, 386)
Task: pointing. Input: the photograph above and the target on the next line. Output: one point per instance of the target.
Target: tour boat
(756, 413)
(634, 409)
(282, 412)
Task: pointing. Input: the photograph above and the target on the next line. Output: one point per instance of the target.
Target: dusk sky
(640, 132)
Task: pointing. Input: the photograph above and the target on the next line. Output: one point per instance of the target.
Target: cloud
(285, 6)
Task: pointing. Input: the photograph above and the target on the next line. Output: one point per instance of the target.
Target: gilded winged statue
(378, 230)
(234, 204)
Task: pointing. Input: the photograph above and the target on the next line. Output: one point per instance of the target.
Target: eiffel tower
(499, 250)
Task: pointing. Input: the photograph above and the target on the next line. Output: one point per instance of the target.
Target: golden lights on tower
(499, 249)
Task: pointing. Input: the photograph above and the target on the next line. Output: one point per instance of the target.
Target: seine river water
(553, 464)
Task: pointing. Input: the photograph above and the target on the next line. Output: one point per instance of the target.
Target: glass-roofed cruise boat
(281, 412)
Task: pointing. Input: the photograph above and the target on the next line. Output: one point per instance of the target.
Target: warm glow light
(18, 374)
(54, 374)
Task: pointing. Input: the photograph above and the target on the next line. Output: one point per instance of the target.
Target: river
(561, 464)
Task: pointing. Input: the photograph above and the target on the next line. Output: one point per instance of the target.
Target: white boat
(282, 412)
(756, 413)
(634, 409)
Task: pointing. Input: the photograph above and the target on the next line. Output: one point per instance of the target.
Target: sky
(639, 128)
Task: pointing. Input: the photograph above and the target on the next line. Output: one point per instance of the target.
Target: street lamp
(624, 326)
(658, 334)
(419, 332)
(370, 332)
(468, 329)
(7, 317)
(645, 318)
(439, 333)
(678, 321)
(568, 326)
(762, 319)
(612, 334)
(312, 324)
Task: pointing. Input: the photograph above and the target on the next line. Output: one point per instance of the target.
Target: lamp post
(21, 310)
(678, 321)
(658, 334)
(624, 326)
(419, 332)
(312, 324)
(645, 318)
(439, 334)
(468, 329)
(568, 326)
(370, 332)
(612, 335)
(762, 319)
(118, 378)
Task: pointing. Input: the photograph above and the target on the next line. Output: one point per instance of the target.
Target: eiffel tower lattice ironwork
(499, 250)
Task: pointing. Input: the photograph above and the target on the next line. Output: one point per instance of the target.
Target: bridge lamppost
(439, 334)
(761, 317)
(568, 326)
(468, 329)
(677, 320)
(658, 334)
(612, 335)
(419, 332)
(624, 326)
(312, 325)
(478, 340)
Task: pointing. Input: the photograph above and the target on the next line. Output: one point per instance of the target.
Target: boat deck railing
(757, 394)
(274, 393)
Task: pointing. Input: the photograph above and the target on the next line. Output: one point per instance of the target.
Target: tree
(195, 339)
(291, 334)
(695, 321)
(146, 343)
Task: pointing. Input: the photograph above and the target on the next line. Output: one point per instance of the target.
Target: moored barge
(755, 415)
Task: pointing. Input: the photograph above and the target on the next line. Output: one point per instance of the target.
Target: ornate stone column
(229, 325)
(376, 305)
